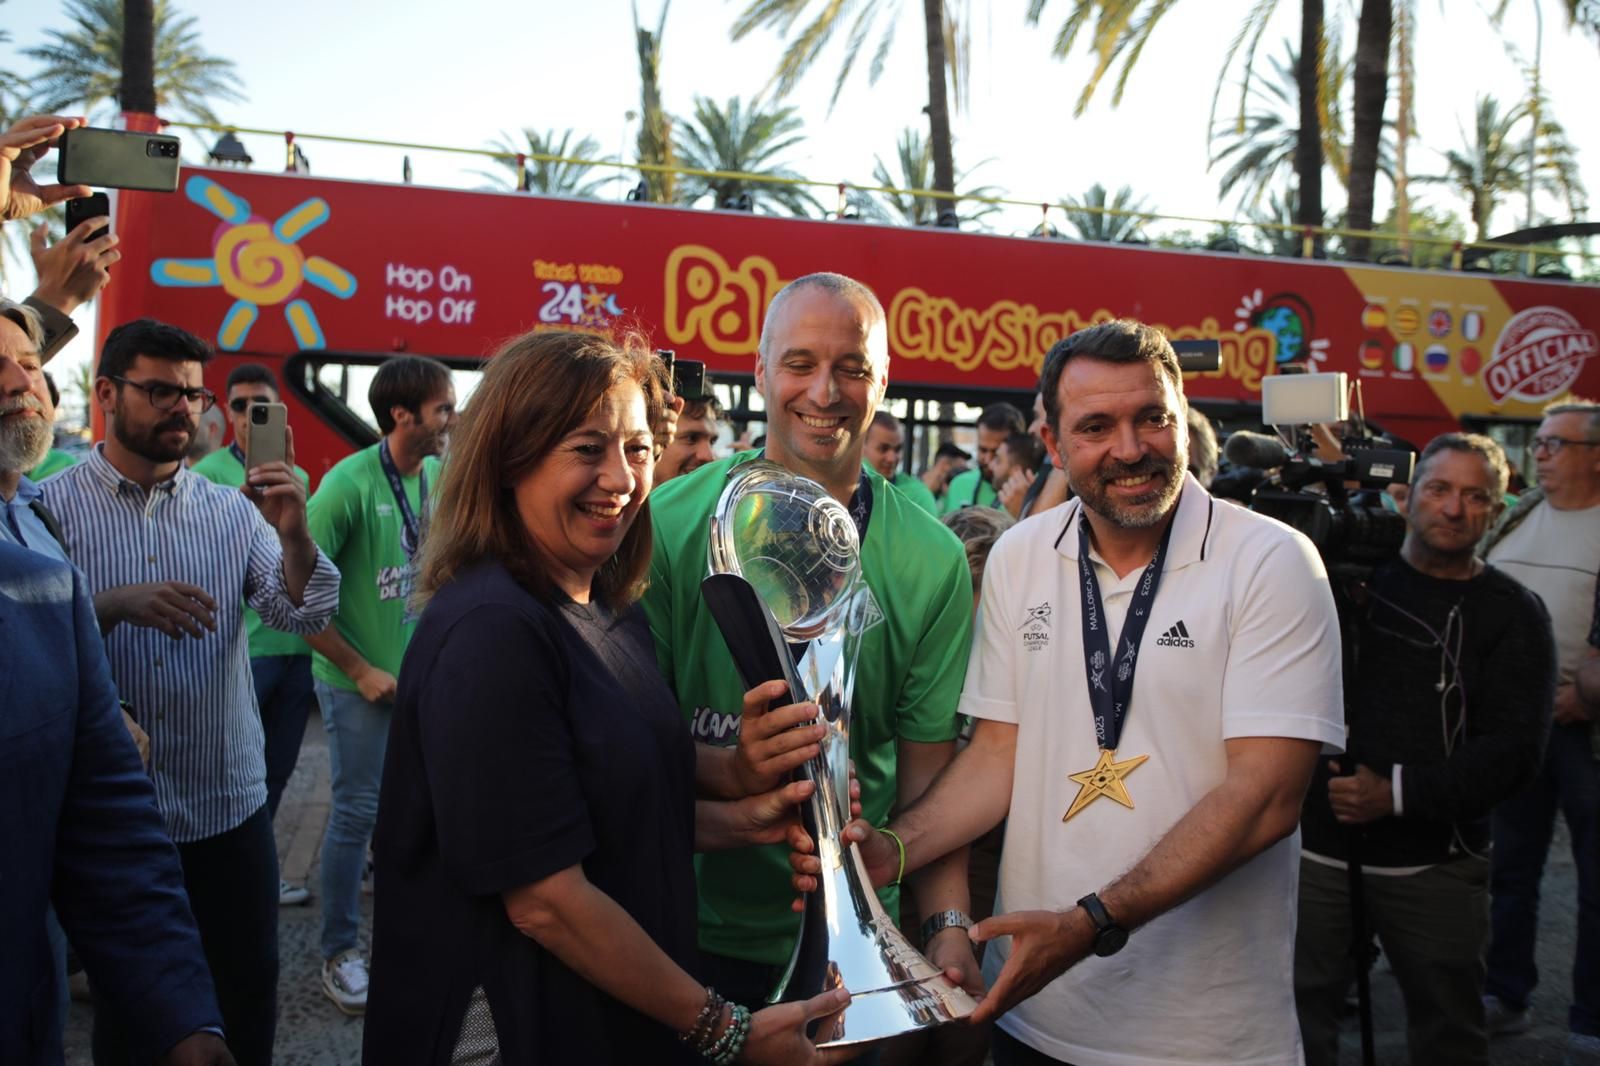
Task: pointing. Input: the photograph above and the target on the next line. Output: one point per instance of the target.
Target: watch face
(1110, 940)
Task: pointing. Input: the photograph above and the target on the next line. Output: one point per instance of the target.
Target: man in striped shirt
(171, 559)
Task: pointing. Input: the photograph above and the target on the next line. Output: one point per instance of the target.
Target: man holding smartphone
(280, 663)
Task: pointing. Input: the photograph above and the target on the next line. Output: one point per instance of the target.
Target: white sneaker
(344, 979)
(292, 895)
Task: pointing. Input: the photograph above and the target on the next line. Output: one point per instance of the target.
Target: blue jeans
(358, 736)
(284, 698)
(1568, 781)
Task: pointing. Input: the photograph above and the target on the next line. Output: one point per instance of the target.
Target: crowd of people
(582, 823)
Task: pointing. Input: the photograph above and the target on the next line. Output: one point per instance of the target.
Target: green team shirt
(223, 468)
(916, 492)
(54, 461)
(908, 681)
(959, 492)
(355, 521)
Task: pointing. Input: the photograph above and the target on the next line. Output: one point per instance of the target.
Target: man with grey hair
(822, 371)
(1447, 716)
(27, 428)
(1551, 543)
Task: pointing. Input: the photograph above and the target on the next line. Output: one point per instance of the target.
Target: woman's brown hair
(536, 389)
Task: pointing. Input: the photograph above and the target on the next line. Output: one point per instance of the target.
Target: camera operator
(1449, 679)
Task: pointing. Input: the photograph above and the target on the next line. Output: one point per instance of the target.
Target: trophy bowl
(785, 583)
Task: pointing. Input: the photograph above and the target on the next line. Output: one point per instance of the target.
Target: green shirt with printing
(908, 681)
(959, 492)
(356, 522)
(916, 492)
(224, 468)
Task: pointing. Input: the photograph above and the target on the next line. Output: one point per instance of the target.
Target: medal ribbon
(411, 534)
(1109, 695)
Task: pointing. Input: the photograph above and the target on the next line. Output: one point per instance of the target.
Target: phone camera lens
(258, 415)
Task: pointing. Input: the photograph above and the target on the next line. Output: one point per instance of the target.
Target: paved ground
(311, 1032)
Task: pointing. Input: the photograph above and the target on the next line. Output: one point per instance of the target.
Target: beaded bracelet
(732, 1040)
(699, 1035)
(901, 844)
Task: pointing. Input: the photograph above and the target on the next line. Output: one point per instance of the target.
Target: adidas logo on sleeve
(1176, 637)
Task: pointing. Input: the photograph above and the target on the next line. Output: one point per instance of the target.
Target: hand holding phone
(73, 270)
(20, 147)
(269, 432)
(119, 159)
(84, 208)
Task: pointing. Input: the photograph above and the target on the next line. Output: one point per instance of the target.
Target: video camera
(1333, 503)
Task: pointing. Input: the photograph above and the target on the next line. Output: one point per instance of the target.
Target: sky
(491, 67)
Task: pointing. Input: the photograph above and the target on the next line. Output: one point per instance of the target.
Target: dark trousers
(1569, 781)
(1009, 1051)
(286, 699)
(232, 882)
(1432, 926)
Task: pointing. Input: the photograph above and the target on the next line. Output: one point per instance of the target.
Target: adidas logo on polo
(1176, 637)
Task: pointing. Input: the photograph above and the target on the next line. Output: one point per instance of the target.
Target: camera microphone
(1257, 450)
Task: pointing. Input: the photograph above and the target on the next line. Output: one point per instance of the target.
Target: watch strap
(938, 923)
(1097, 912)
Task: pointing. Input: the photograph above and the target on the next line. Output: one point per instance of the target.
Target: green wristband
(901, 844)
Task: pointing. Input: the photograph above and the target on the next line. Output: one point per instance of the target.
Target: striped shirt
(193, 696)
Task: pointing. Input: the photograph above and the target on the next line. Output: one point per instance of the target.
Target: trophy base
(907, 1007)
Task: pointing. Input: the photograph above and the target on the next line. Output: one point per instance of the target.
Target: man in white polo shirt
(1148, 720)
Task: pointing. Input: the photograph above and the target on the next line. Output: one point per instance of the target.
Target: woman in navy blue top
(538, 818)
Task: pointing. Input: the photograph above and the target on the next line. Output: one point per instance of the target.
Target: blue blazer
(79, 828)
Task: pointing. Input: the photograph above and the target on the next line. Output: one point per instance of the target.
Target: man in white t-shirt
(1550, 542)
(1153, 789)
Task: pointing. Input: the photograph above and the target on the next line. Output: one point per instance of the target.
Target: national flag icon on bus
(1405, 357)
(1439, 322)
(1436, 359)
(1372, 355)
(1472, 325)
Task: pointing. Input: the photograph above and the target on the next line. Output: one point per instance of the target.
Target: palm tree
(1486, 171)
(82, 66)
(915, 165)
(552, 177)
(1491, 167)
(946, 42)
(1096, 220)
(1260, 146)
(745, 139)
(1275, 224)
(655, 125)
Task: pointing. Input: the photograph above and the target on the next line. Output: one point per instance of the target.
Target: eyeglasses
(1553, 445)
(165, 397)
(240, 404)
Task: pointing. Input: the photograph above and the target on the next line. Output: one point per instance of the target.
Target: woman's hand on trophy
(778, 1034)
(775, 741)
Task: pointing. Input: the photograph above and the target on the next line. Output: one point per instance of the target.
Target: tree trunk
(944, 167)
(138, 56)
(1405, 46)
(1370, 90)
(1308, 147)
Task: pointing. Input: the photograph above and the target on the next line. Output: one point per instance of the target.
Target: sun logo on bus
(259, 263)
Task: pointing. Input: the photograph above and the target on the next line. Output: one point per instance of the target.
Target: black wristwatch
(1109, 937)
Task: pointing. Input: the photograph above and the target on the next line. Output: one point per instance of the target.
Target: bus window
(335, 386)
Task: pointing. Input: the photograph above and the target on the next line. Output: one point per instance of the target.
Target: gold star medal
(1104, 779)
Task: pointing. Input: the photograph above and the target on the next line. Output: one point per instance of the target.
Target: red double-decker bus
(323, 279)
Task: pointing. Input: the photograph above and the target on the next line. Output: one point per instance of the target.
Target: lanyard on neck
(238, 453)
(411, 533)
(1109, 696)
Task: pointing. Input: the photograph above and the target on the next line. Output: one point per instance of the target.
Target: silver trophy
(785, 580)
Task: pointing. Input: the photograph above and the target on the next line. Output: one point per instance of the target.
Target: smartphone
(84, 208)
(689, 380)
(269, 434)
(118, 159)
(669, 362)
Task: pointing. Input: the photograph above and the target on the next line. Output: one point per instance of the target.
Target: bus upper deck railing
(1292, 240)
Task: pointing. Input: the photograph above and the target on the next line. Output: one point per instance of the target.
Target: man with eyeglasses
(280, 663)
(1551, 543)
(1447, 704)
(171, 559)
